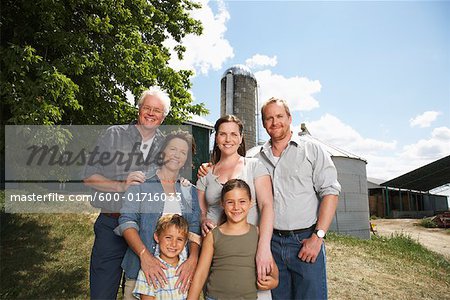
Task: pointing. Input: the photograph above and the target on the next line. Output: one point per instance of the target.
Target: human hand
(267, 284)
(310, 249)
(204, 169)
(185, 182)
(264, 262)
(134, 178)
(207, 226)
(153, 269)
(185, 273)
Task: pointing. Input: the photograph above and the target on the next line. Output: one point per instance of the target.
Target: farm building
(201, 131)
(409, 195)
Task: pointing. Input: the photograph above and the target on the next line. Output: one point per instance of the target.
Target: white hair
(157, 92)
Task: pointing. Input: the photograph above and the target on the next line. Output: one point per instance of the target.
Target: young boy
(171, 235)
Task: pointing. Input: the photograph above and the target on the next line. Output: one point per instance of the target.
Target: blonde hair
(275, 100)
(172, 219)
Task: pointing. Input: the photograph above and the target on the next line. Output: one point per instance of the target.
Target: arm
(326, 184)
(150, 265)
(186, 271)
(271, 281)
(264, 260)
(312, 245)
(204, 169)
(204, 263)
(207, 224)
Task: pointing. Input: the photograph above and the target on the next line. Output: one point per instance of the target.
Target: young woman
(228, 163)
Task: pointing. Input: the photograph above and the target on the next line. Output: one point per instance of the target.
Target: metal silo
(238, 97)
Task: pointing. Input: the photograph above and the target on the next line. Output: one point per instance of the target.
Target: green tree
(72, 61)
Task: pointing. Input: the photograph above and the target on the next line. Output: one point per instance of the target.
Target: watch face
(320, 233)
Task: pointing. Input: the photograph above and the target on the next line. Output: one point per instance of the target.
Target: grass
(427, 223)
(46, 256)
(394, 267)
(400, 247)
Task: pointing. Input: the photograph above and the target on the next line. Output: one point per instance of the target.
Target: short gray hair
(157, 92)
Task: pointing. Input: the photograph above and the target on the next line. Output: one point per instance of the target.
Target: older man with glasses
(140, 141)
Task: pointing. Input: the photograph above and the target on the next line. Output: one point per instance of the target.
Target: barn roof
(424, 178)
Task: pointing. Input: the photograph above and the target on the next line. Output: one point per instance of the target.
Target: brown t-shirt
(233, 269)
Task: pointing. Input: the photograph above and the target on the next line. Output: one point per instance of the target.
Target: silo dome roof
(239, 70)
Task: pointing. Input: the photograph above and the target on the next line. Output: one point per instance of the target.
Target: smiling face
(236, 204)
(228, 138)
(151, 113)
(277, 121)
(171, 242)
(175, 154)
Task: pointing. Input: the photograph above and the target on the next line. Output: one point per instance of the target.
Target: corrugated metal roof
(200, 121)
(239, 70)
(424, 178)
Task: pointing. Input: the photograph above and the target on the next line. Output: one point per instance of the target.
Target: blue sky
(372, 78)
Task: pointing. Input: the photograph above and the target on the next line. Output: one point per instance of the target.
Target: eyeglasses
(155, 110)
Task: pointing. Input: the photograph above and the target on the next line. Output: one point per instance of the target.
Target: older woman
(144, 204)
(229, 163)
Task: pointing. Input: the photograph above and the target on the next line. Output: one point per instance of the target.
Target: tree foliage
(73, 61)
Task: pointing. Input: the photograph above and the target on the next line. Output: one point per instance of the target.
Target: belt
(112, 215)
(292, 232)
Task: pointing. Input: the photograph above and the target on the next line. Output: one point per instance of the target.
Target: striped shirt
(168, 292)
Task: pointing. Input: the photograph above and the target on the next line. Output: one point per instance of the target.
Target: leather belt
(112, 215)
(292, 232)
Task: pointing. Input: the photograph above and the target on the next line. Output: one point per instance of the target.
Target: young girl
(227, 260)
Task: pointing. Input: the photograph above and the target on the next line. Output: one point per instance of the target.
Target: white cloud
(209, 50)
(259, 60)
(297, 91)
(438, 145)
(425, 119)
(335, 132)
(385, 159)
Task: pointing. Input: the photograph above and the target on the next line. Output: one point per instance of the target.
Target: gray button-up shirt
(303, 174)
(120, 144)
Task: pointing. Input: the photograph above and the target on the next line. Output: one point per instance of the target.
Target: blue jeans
(107, 254)
(298, 279)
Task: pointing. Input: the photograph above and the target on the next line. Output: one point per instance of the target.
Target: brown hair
(182, 135)
(275, 100)
(172, 219)
(229, 186)
(215, 156)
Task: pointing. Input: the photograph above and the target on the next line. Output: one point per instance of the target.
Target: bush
(428, 223)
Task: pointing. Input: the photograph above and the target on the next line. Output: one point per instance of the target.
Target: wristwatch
(320, 233)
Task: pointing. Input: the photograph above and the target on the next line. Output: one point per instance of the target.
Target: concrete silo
(352, 214)
(238, 97)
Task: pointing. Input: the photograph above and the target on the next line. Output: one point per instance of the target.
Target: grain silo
(352, 214)
(238, 97)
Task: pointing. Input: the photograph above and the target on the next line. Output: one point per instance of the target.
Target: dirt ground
(356, 272)
(435, 239)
